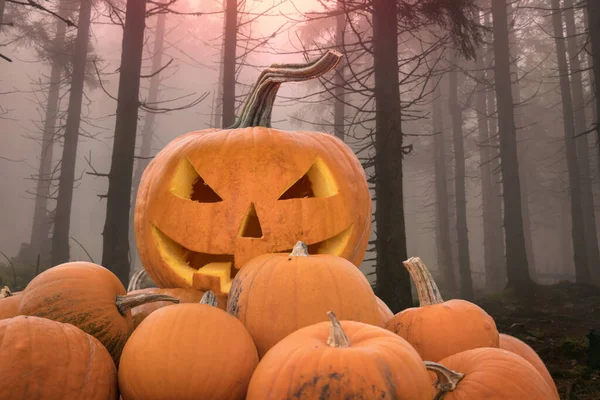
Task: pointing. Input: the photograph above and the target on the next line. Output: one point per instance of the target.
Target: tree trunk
(115, 250)
(525, 166)
(229, 63)
(340, 81)
(460, 194)
(393, 281)
(62, 219)
(445, 260)
(217, 114)
(582, 141)
(582, 271)
(485, 170)
(517, 269)
(147, 130)
(593, 14)
(496, 279)
(42, 223)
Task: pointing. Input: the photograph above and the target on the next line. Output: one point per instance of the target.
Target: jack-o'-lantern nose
(250, 227)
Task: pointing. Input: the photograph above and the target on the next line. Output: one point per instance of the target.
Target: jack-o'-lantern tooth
(316, 182)
(250, 227)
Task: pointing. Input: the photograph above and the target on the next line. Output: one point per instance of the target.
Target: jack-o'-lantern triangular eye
(187, 183)
(316, 182)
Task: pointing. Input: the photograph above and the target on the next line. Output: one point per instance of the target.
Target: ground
(556, 322)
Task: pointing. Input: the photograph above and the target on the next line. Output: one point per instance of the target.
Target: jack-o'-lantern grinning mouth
(187, 263)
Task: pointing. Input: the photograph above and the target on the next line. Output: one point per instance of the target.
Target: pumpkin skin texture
(384, 311)
(48, 360)
(187, 351)
(521, 348)
(496, 374)
(9, 303)
(341, 361)
(302, 288)
(438, 328)
(184, 295)
(212, 200)
(86, 295)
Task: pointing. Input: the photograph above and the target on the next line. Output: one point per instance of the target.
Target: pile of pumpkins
(254, 237)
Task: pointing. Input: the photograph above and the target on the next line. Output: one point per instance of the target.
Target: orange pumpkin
(490, 374)
(188, 351)
(212, 200)
(9, 303)
(88, 296)
(183, 295)
(516, 346)
(384, 311)
(439, 328)
(333, 360)
(276, 294)
(48, 360)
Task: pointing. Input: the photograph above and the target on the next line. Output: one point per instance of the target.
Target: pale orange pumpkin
(212, 200)
(341, 360)
(49, 360)
(277, 294)
(183, 295)
(187, 352)
(521, 348)
(490, 374)
(438, 328)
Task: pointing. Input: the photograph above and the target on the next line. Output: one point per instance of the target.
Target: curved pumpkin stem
(127, 302)
(259, 104)
(447, 380)
(5, 292)
(299, 250)
(426, 287)
(337, 336)
(137, 279)
(209, 298)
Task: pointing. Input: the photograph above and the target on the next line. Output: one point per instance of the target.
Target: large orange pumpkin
(212, 200)
(188, 351)
(516, 346)
(48, 360)
(490, 374)
(277, 294)
(9, 303)
(347, 360)
(439, 328)
(183, 295)
(88, 296)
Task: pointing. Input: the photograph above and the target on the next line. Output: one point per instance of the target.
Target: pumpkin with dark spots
(341, 360)
(49, 360)
(88, 296)
(438, 328)
(277, 294)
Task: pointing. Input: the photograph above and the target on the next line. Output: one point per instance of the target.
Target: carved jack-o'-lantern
(214, 199)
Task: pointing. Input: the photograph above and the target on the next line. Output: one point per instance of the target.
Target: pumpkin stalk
(5, 292)
(427, 289)
(127, 302)
(258, 106)
(337, 336)
(447, 380)
(299, 250)
(209, 298)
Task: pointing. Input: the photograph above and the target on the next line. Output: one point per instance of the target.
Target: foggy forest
(450, 149)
